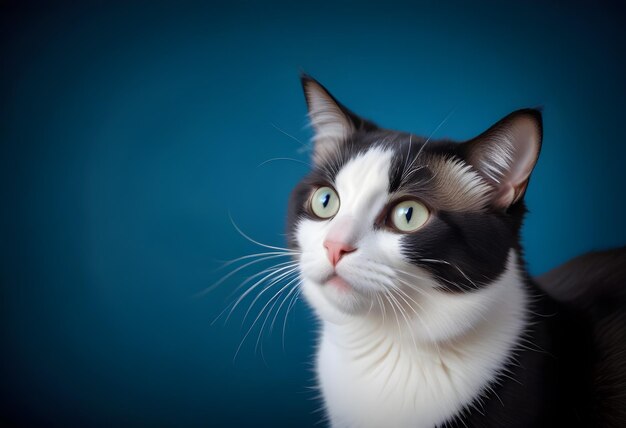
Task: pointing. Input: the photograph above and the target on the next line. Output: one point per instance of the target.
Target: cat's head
(390, 215)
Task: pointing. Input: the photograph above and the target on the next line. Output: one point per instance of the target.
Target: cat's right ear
(506, 154)
(332, 123)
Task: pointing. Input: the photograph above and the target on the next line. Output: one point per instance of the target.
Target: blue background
(130, 130)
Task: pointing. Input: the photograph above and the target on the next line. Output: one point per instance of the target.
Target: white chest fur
(373, 376)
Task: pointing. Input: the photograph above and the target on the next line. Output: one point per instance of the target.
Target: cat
(409, 253)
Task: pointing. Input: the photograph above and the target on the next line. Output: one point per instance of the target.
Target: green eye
(325, 202)
(408, 216)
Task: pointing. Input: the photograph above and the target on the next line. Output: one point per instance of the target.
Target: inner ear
(506, 154)
(332, 123)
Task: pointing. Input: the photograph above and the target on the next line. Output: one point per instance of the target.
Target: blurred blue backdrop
(130, 130)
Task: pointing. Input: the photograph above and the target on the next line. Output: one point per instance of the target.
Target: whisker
(269, 313)
(382, 306)
(271, 269)
(250, 256)
(413, 286)
(427, 279)
(233, 272)
(445, 119)
(289, 271)
(428, 331)
(406, 320)
(410, 173)
(270, 285)
(259, 316)
(304, 146)
(450, 264)
(220, 314)
(285, 159)
(294, 299)
(408, 153)
(388, 295)
(405, 174)
(257, 242)
(293, 289)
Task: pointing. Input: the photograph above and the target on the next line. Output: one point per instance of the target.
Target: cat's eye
(325, 202)
(408, 216)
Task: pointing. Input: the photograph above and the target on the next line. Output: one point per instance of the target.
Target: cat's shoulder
(594, 286)
(596, 278)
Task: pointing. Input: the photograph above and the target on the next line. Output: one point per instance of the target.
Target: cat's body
(409, 253)
(374, 375)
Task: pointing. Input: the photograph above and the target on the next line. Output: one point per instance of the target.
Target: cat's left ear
(506, 154)
(333, 124)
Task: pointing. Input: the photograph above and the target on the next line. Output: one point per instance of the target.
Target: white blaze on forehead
(363, 184)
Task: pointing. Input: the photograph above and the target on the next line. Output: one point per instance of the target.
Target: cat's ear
(506, 154)
(332, 123)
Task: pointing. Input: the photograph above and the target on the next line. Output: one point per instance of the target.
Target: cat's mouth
(338, 283)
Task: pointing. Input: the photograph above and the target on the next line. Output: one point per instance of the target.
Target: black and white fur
(444, 326)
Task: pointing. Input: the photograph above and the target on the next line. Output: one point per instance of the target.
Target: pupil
(325, 200)
(408, 214)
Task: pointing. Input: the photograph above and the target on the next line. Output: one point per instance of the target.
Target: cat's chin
(339, 284)
(335, 296)
(340, 293)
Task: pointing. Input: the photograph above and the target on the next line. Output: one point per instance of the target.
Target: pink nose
(336, 250)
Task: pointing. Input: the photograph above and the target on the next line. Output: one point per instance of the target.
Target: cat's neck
(369, 360)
